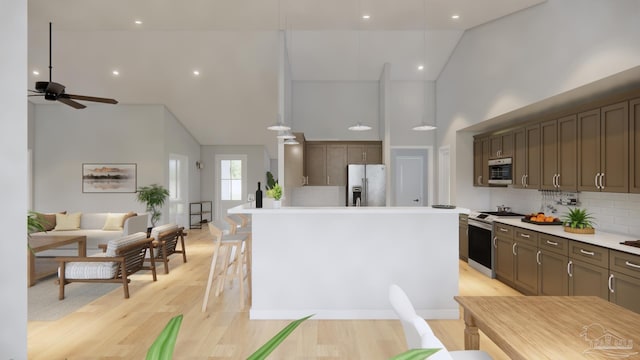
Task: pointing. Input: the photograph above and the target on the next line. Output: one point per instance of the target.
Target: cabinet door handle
(513, 249)
(595, 180)
(629, 263)
(503, 230)
(526, 236)
(610, 283)
(522, 181)
(526, 180)
(478, 180)
(552, 243)
(538, 258)
(495, 242)
(590, 253)
(602, 181)
(328, 180)
(569, 268)
(364, 154)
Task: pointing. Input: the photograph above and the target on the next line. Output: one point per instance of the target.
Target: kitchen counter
(338, 262)
(600, 238)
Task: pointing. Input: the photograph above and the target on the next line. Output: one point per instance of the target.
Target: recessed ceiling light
(420, 67)
(36, 72)
(115, 72)
(455, 17)
(138, 22)
(196, 72)
(366, 16)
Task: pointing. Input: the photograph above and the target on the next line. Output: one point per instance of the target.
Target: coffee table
(48, 266)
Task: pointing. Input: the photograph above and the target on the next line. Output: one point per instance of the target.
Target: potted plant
(578, 221)
(153, 196)
(35, 223)
(275, 192)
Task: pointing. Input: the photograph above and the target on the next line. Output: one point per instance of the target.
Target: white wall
(13, 183)
(527, 57)
(409, 101)
(257, 167)
(323, 110)
(66, 138)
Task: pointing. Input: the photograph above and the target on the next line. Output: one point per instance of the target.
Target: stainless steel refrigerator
(366, 185)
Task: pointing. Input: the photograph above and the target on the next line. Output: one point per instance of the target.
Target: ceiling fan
(54, 91)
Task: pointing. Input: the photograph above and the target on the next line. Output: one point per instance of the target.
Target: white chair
(229, 247)
(418, 334)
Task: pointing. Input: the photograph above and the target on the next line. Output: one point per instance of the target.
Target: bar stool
(230, 247)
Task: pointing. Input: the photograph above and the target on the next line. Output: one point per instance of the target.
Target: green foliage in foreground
(162, 347)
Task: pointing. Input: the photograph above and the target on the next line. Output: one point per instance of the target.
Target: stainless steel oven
(480, 249)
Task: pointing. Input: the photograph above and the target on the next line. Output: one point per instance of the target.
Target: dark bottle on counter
(258, 197)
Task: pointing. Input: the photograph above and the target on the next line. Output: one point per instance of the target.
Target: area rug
(45, 306)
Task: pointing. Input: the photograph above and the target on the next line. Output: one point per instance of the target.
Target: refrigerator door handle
(364, 191)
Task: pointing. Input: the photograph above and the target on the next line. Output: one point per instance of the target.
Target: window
(231, 179)
(174, 179)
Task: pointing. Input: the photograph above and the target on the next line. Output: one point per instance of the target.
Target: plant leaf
(271, 345)
(162, 347)
(415, 354)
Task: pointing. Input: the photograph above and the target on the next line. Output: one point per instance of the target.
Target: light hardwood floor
(117, 328)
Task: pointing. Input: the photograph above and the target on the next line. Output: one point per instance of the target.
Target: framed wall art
(109, 178)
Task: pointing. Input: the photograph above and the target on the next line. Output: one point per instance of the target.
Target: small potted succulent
(578, 221)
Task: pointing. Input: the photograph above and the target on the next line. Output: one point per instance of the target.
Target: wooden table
(40, 243)
(552, 327)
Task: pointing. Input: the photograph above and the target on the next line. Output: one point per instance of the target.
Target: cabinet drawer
(591, 254)
(625, 263)
(554, 244)
(503, 231)
(526, 236)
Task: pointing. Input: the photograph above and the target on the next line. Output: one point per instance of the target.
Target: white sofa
(91, 225)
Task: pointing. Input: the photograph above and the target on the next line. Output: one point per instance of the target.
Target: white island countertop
(338, 262)
(600, 238)
(247, 209)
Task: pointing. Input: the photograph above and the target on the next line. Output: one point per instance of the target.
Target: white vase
(277, 204)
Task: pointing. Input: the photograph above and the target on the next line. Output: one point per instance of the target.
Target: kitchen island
(338, 262)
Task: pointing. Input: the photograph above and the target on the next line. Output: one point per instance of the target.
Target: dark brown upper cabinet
(559, 152)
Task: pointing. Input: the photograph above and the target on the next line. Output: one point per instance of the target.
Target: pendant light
(287, 134)
(424, 125)
(279, 125)
(291, 142)
(359, 126)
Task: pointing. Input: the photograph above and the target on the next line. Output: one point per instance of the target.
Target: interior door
(178, 190)
(409, 180)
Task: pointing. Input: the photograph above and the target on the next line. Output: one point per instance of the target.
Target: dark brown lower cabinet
(553, 279)
(463, 237)
(588, 280)
(625, 291)
(503, 259)
(525, 276)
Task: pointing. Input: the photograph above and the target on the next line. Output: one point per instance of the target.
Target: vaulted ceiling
(234, 45)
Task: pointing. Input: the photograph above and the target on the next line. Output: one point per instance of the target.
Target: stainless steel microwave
(500, 171)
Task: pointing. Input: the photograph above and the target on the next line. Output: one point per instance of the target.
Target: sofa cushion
(93, 220)
(68, 222)
(91, 270)
(116, 244)
(48, 220)
(156, 231)
(114, 222)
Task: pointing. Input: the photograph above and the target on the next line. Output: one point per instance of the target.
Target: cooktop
(502, 213)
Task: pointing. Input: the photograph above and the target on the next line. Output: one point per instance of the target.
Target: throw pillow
(128, 215)
(48, 220)
(67, 222)
(113, 222)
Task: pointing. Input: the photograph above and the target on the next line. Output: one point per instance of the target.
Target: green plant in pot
(35, 223)
(578, 221)
(275, 192)
(153, 196)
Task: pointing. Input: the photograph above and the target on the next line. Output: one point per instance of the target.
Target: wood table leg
(82, 247)
(471, 336)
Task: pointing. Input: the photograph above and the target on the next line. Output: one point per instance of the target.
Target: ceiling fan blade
(73, 104)
(35, 94)
(91, 98)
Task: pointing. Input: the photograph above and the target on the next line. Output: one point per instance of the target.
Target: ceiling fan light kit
(53, 91)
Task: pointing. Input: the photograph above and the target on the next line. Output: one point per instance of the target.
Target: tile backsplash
(613, 212)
